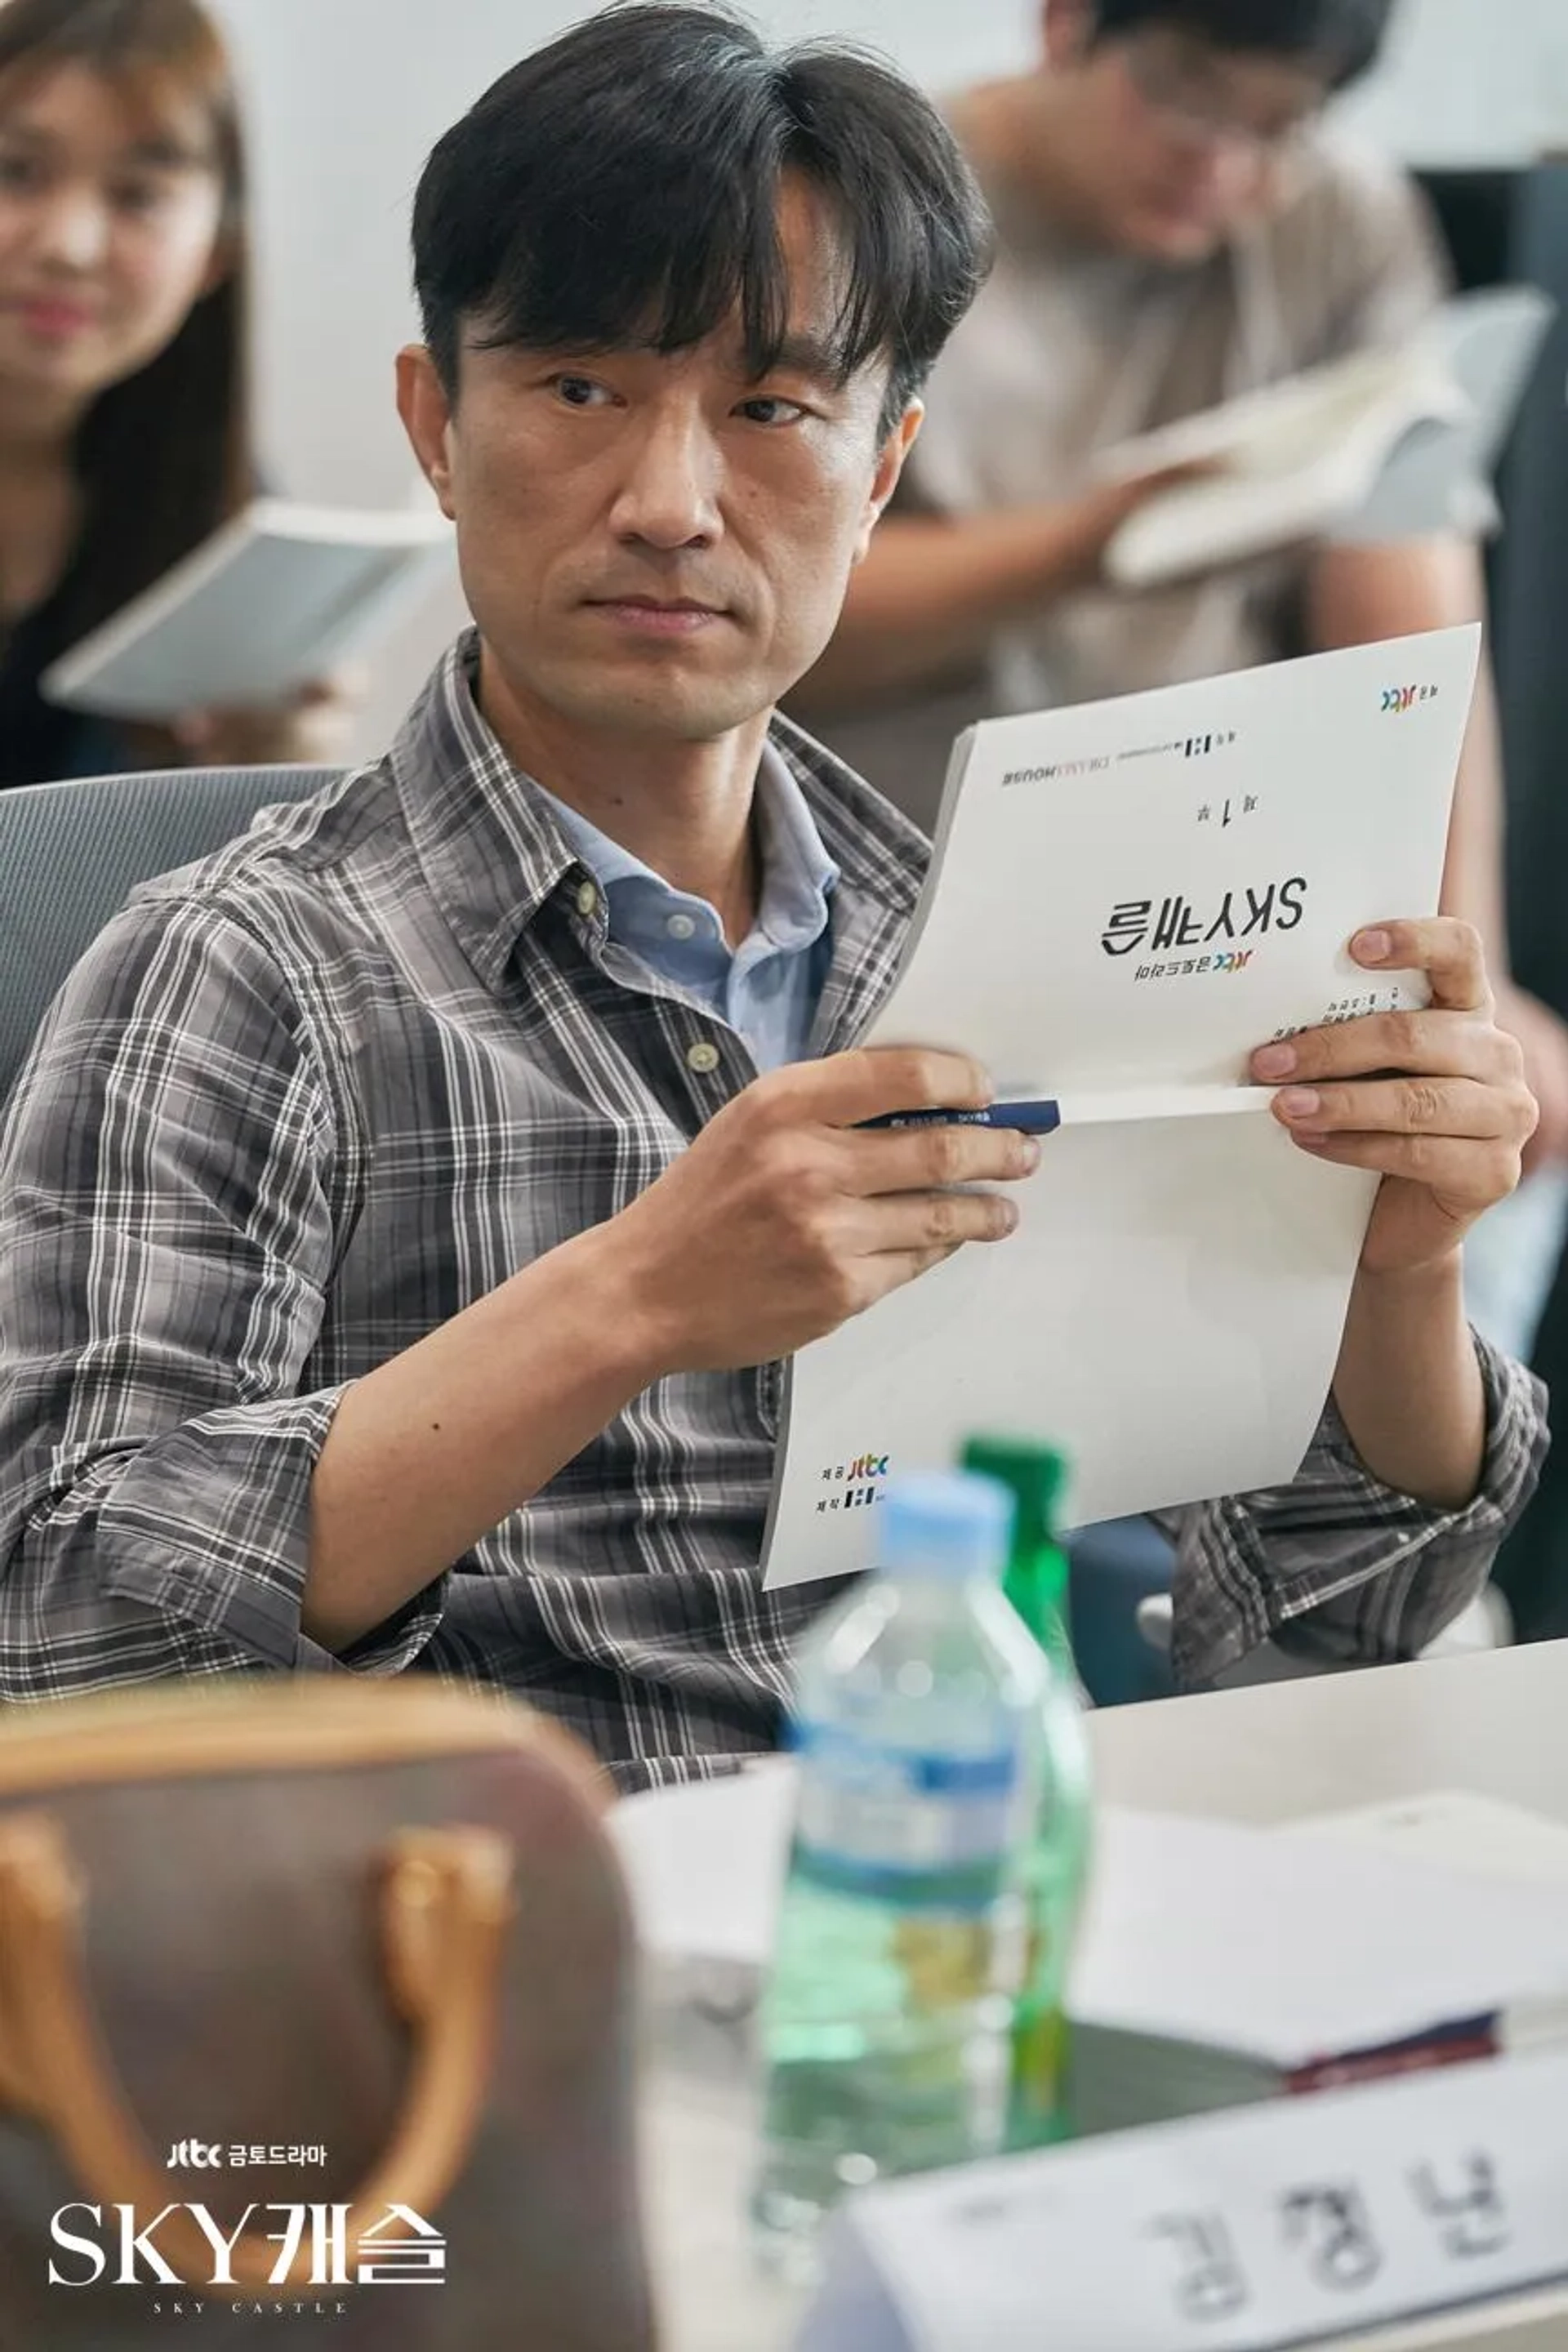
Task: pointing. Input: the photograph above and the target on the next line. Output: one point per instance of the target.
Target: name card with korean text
(1288, 2224)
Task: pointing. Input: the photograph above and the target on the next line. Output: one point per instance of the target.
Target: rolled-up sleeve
(1340, 1568)
(168, 1234)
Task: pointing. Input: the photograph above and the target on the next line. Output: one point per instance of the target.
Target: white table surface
(1495, 1724)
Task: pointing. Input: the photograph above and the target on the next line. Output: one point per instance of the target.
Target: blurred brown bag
(270, 1950)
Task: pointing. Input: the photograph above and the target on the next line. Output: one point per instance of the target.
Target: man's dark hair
(1345, 36)
(621, 187)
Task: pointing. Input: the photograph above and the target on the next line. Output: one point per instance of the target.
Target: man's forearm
(1408, 1386)
(433, 1449)
(1473, 885)
(931, 595)
(1358, 596)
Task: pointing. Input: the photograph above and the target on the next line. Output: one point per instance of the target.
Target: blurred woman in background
(125, 436)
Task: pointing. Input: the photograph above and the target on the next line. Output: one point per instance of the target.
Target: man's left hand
(314, 730)
(1435, 1101)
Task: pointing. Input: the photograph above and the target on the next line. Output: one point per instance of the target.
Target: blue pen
(1025, 1117)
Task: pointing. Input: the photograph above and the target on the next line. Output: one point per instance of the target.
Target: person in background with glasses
(1176, 225)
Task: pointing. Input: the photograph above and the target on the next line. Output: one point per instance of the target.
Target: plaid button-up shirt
(307, 1100)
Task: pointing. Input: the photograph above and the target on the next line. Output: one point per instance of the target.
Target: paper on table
(705, 1863)
(1126, 898)
(1293, 1950)
(1289, 1949)
(1455, 1826)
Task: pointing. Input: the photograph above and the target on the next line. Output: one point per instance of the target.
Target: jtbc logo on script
(194, 2156)
(103, 2245)
(854, 1484)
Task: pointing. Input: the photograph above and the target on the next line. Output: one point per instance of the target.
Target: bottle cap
(1037, 1475)
(944, 1523)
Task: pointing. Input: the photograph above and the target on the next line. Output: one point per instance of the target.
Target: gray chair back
(71, 853)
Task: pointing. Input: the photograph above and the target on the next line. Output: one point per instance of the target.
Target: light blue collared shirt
(767, 989)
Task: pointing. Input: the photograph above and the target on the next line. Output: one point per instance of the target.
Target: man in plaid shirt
(404, 1212)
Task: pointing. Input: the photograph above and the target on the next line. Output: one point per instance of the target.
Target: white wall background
(346, 97)
(1472, 81)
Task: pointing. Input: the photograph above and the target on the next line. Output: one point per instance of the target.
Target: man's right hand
(783, 1219)
(1098, 514)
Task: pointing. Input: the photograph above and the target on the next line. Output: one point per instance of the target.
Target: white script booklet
(270, 604)
(1126, 898)
(1385, 443)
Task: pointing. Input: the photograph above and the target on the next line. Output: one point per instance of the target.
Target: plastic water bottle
(921, 1728)
(1036, 1584)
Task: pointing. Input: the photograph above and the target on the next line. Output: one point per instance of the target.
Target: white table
(1495, 1724)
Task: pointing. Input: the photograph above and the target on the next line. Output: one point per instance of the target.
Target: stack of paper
(1128, 898)
(1218, 1964)
(1221, 1964)
(1457, 1827)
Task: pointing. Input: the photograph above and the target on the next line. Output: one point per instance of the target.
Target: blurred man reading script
(1178, 224)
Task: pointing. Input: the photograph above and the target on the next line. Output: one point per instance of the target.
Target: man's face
(660, 546)
(1178, 143)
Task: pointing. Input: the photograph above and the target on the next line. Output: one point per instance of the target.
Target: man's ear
(426, 415)
(890, 459)
(1068, 29)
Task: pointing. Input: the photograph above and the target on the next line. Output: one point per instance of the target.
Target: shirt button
(681, 927)
(703, 1058)
(587, 898)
